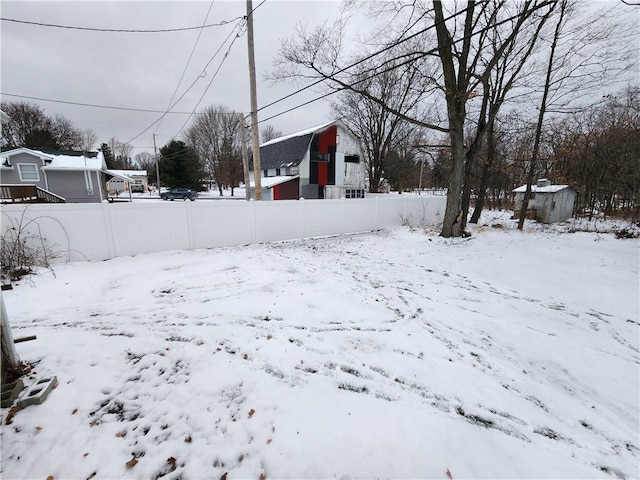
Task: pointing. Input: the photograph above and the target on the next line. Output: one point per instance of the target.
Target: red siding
(287, 191)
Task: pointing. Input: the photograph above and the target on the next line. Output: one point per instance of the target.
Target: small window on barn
(28, 172)
(553, 205)
(352, 158)
(319, 157)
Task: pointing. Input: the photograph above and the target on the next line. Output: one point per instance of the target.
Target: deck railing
(27, 194)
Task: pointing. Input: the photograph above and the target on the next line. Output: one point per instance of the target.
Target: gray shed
(548, 203)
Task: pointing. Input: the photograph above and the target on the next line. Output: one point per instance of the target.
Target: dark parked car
(182, 193)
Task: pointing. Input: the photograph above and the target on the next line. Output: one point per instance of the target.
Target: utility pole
(245, 155)
(254, 104)
(155, 151)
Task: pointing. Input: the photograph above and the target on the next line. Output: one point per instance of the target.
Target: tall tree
(180, 166)
(464, 57)
(216, 136)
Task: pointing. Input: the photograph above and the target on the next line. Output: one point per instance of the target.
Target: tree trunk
(482, 193)
(543, 109)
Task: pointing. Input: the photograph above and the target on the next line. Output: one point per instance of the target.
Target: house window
(352, 158)
(28, 172)
(553, 205)
(266, 173)
(354, 193)
(277, 172)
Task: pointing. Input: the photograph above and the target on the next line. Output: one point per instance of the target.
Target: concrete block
(10, 392)
(37, 392)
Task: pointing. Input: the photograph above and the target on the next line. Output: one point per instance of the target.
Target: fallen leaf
(449, 476)
(38, 428)
(269, 337)
(85, 454)
(164, 427)
(92, 475)
(269, 441)
(131, 463)
(17, 430)
(75, 410)
(171, 461)
(245, 356)
(12, 413)
(188, 439)
(224, 476)
(251, 412)
(50, 477)
(240, 458)
(121, 434)
(263, 476)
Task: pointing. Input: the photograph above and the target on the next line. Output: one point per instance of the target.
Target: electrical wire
(412, 59)
(362, 60)
(238, 35)
(184, 70)
(190, 86)
(123, 30)
(92, 105)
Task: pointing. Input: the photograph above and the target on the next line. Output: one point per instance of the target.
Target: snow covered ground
(394, 354)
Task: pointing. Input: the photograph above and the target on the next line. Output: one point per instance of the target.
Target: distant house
(127, 180)
(53, 176)
(548, 203)
(320, 162)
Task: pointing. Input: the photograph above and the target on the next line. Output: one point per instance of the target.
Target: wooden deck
(27, 194)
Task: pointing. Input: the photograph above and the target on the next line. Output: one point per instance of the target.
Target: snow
(307, 131)
(393, 354)
(269, 182)
(537, 189)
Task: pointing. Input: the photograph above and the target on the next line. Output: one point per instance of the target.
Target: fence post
(252, 216)
(108, 223)
(375, 218)
(190, 241)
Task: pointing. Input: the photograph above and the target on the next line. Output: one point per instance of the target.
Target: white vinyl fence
(102, 231)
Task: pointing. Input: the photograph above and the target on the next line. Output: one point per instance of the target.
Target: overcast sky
(142, 71)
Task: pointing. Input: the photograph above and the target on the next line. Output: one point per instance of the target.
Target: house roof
(61, 160)
(129, 173)
(270, 182)
(536, 189)
(289, 150)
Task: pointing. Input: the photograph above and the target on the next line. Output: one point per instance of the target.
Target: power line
(368, 57)
(123, 30)
(92, 105)
(347, 86)
(215, 74)
(184, 70)
(190, 86)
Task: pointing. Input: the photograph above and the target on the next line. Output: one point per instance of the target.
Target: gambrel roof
(289, 150)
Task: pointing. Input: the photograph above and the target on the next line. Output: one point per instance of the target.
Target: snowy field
(394, 354)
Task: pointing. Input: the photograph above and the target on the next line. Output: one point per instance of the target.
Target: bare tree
(269, 132)
(88, 140)
(216, 136)
(466, 55)
(121, 152)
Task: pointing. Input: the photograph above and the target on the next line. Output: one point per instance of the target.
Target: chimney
(543, 182)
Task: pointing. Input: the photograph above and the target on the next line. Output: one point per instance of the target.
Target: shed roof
(536, 189)
(270, 182)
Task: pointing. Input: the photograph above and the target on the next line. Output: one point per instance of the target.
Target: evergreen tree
(108, 156)
(180, 166)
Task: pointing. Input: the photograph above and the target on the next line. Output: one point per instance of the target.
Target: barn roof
(289, 150)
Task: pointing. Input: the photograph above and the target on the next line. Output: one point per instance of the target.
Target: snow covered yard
(392, 354)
